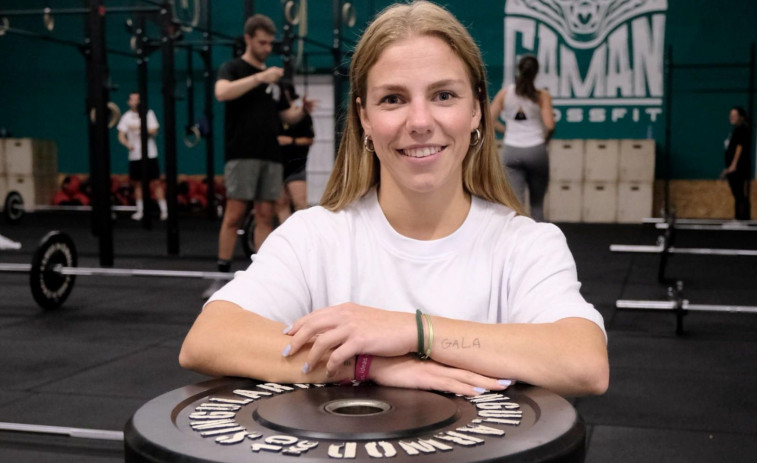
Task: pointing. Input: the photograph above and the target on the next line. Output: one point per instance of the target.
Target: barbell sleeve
(85, 271)
(671, 305)
(65, 431)
(127, 272)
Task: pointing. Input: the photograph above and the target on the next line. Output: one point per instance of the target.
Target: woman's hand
(410, 372)
(350, 329)
(309, 105)
(285, 140)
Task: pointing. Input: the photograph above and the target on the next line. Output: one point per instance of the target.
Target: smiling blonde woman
(418, 269)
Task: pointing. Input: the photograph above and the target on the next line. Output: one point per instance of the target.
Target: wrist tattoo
(462, 343)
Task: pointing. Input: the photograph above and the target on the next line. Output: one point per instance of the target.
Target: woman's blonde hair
(356, 170)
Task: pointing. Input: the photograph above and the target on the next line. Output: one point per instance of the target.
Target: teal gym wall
(607, 81)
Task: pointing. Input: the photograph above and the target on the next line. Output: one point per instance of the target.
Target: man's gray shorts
(253, 179)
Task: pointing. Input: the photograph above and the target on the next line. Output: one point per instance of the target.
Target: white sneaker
(136, 216)
(214, 286)
(163, 215)
(6, 243)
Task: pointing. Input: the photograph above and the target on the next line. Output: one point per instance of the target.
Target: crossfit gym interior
(96, 302)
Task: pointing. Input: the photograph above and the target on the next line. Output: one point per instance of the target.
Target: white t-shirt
(129, 123)
(522, 117)
(496, 268)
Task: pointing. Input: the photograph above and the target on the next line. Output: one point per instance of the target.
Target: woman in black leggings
(529, 122)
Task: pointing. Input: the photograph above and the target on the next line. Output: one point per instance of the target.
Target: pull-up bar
(48, 38)
(78, 11)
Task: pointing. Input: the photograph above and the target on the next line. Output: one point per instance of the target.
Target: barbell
(80, 433)
(53, 271)
(661, 249)
(675, 220)
(15, 209)
(680, 306)
(725, 226)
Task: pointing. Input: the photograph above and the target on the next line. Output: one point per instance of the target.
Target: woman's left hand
(410, 372)
(350, 329)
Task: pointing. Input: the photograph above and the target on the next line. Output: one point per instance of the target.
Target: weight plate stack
(238, 420)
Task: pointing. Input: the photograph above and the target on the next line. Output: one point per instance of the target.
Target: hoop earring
(477, 139)
(368, 144)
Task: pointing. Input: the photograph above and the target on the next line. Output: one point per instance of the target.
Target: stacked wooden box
(600, 180)
(635, 180)
(566, 173)
(29, 167)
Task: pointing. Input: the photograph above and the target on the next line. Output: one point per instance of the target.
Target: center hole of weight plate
(356, 407)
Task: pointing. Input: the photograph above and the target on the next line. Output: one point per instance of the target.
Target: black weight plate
(50, 288)
(13, 208)
(239, 420)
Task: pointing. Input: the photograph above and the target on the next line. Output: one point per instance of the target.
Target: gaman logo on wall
(602, 60)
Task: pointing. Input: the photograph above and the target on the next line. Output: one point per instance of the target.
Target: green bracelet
(419, 322)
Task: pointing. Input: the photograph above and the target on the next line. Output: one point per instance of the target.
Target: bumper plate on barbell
(50, 288)
(237, 420)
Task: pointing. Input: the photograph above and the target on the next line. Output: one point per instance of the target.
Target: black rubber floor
(114, 344)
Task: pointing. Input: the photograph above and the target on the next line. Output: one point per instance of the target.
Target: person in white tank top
(529, 123)
(524, 121)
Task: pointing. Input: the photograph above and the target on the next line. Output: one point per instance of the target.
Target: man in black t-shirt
(253, 169)
(738, 154)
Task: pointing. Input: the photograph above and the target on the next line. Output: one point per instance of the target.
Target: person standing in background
(254, 171)
(529, 124)
(295, 141)
(129, 136)
(738, 154)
